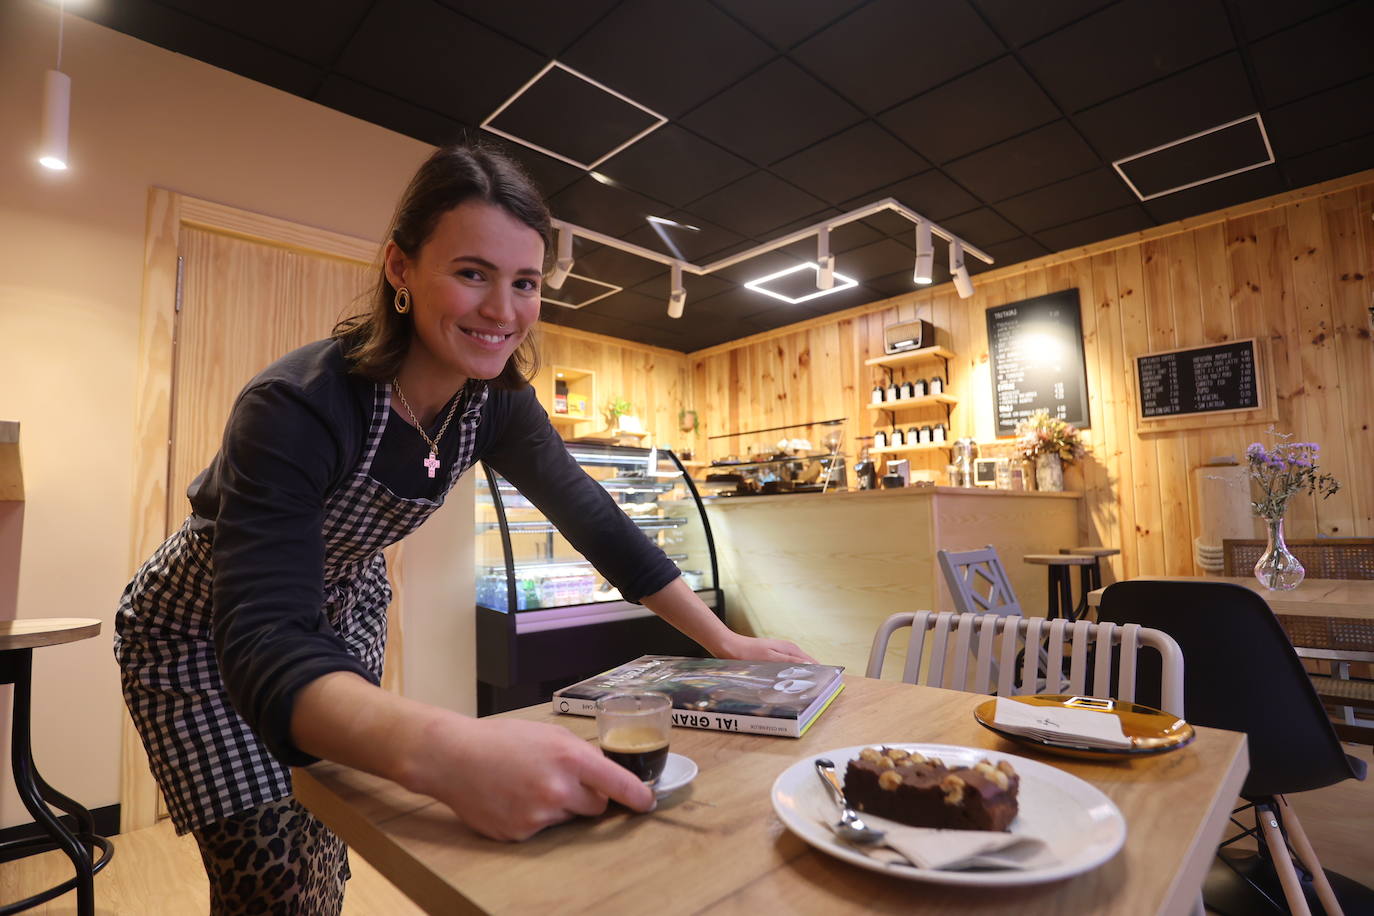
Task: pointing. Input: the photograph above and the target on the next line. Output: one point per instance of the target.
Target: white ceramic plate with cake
(1080, 825)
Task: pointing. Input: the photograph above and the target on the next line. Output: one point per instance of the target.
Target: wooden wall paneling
(976, 414)
(1316, 344)
(1167, 472)
(1348, 232)
(1098, 503)
(1177, 452)
(1147, 540)
(1115, 451)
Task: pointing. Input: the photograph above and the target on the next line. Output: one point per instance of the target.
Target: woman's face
(474, 288)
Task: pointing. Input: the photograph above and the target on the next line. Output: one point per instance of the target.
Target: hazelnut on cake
(923, 792)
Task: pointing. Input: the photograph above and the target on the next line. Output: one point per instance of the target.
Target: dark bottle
(560, 396)
(865, 470)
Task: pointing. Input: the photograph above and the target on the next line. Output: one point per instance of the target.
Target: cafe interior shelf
(911, 356)
(922, 447)
(923, 401)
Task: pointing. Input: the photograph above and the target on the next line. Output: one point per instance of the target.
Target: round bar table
(18, 639)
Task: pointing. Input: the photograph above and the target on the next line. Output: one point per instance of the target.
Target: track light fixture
(825, 261)
(57, 102)
(958, 271)
(925, 254)
(564, 263)
(677, 296)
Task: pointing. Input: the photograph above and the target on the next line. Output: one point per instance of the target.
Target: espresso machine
(965, 451)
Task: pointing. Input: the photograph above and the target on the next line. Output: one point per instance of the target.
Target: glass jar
(938, 433)
(920, 388)
(877, 394)
(880, 439)
(897, 440)
(925, 435)
(937, 385)
(913, 436)
(907, 390)
(892, 392)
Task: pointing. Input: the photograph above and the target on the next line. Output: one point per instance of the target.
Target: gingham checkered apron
(205, 758)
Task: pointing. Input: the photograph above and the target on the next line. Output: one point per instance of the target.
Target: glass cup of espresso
(633, 731)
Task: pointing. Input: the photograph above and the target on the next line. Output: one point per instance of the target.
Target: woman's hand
(508, 779)
(753, 648)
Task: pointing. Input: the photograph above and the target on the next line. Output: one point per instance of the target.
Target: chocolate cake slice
(923, 792)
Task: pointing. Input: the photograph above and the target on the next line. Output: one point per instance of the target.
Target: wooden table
(717, 846)
(1335, 616)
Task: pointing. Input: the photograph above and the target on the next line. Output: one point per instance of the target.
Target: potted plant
(1049, 443)
(1278, 474)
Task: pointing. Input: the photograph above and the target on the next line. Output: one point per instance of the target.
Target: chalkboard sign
(1036, 347)
(1200, 380)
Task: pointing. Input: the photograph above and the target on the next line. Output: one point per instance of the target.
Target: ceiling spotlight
(57, 103)
(962, 283)
(757, 285)
(677, 296)
(564, 264)
(925, 254)
(825, 261)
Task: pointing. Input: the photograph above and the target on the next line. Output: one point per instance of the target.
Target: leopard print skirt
(277, 859)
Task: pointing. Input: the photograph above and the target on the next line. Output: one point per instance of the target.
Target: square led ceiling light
(571, 117)
(1197, 159)
(579, 291)
(802, 288)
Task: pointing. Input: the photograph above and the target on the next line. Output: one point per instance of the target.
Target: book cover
(766, 698)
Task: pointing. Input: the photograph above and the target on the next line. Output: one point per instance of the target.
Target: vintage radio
(908, 335)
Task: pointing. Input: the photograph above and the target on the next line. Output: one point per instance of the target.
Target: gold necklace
(432, 462)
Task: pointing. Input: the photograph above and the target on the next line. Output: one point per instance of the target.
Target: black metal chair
(1241, 673)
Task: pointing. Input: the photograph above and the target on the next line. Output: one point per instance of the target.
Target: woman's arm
(504, 778)
(680, 606)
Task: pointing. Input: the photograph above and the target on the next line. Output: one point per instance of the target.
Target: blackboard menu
(1036, 347)
(1201, 380)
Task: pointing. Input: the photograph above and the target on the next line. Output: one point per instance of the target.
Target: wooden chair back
(978, 582)
(1322, 558)
(964, 650)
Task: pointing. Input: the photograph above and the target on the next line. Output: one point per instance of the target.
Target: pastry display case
(545, 617)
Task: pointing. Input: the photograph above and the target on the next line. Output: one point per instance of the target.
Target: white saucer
(677, 772)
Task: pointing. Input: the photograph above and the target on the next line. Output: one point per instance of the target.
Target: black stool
(1060, 586)
(1090, 577)
(18, 639)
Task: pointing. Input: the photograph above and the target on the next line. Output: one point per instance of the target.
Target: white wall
(71, 250)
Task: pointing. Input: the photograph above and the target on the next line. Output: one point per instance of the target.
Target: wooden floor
(156, 873)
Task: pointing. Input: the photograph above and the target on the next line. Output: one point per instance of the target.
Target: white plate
(677, 772)
(1081, 825)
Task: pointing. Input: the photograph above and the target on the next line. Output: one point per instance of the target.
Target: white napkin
(1084, 727)
(926, 847)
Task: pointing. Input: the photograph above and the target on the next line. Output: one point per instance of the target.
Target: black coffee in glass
(642, 751)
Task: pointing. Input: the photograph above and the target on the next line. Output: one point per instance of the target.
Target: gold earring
(402, 301)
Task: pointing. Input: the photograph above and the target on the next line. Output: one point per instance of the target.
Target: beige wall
(71, 251)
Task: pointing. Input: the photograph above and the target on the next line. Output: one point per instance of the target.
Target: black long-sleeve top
(296, 433)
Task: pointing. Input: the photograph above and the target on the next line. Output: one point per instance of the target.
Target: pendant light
(57, 99)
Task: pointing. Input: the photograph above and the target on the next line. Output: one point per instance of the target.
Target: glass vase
(1277, 568)
(1049, 472)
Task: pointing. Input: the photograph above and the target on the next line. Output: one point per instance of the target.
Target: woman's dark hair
(377, 339)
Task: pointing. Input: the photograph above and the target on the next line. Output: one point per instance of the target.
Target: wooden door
(226, 292)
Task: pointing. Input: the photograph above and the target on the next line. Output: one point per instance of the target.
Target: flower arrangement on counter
(1284, 471)
(1039, 434)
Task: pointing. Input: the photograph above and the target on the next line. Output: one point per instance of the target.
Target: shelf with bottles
(571, 399)
(919, 447)
(928, 400)
(923, 355)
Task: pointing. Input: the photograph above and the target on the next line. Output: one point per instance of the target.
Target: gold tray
(1150, 730)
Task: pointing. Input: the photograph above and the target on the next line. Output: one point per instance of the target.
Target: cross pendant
(432, 463)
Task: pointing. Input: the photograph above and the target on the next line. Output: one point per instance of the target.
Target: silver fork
(850, 826)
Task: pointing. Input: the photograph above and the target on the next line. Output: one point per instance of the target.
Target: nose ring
(501, 325)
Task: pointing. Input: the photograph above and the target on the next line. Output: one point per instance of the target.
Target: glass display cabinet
(545, 617)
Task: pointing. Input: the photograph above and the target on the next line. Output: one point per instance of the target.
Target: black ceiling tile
(769, 319)
(1332, 49)
(1019, 22)
(894, 284)
(1007, 253)
(1320, 120)
(770, 262)
(757, 205)
(1108, 225)
(630, 305)
(729, 305)
(614, 266)
(783, 23)
(1125, 46)
(802, 222)
(548, 30)
(852, 235)
(835, 302)
(772, 112)
(1066, 201)
(982, 227)
(1332, 162)
(1216, 195)
(653, 52)
(674, 165)
(695, 246)
(552, 175)
(571, 117)
(1220, 152)
(994, 102)
(876, 260)
(406, 47)
(889, 50)
(193, 37)
(1258, 18)
(1200, 97)
(698, 286)
(1038, 158)
(931, 194)
(846, 165)
(889, 223)
(614, 211)
(577, 291)
(343, 94)
(313, 32)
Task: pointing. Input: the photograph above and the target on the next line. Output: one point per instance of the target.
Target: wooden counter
(825, 569)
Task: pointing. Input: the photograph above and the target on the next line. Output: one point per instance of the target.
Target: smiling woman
(253, 639)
